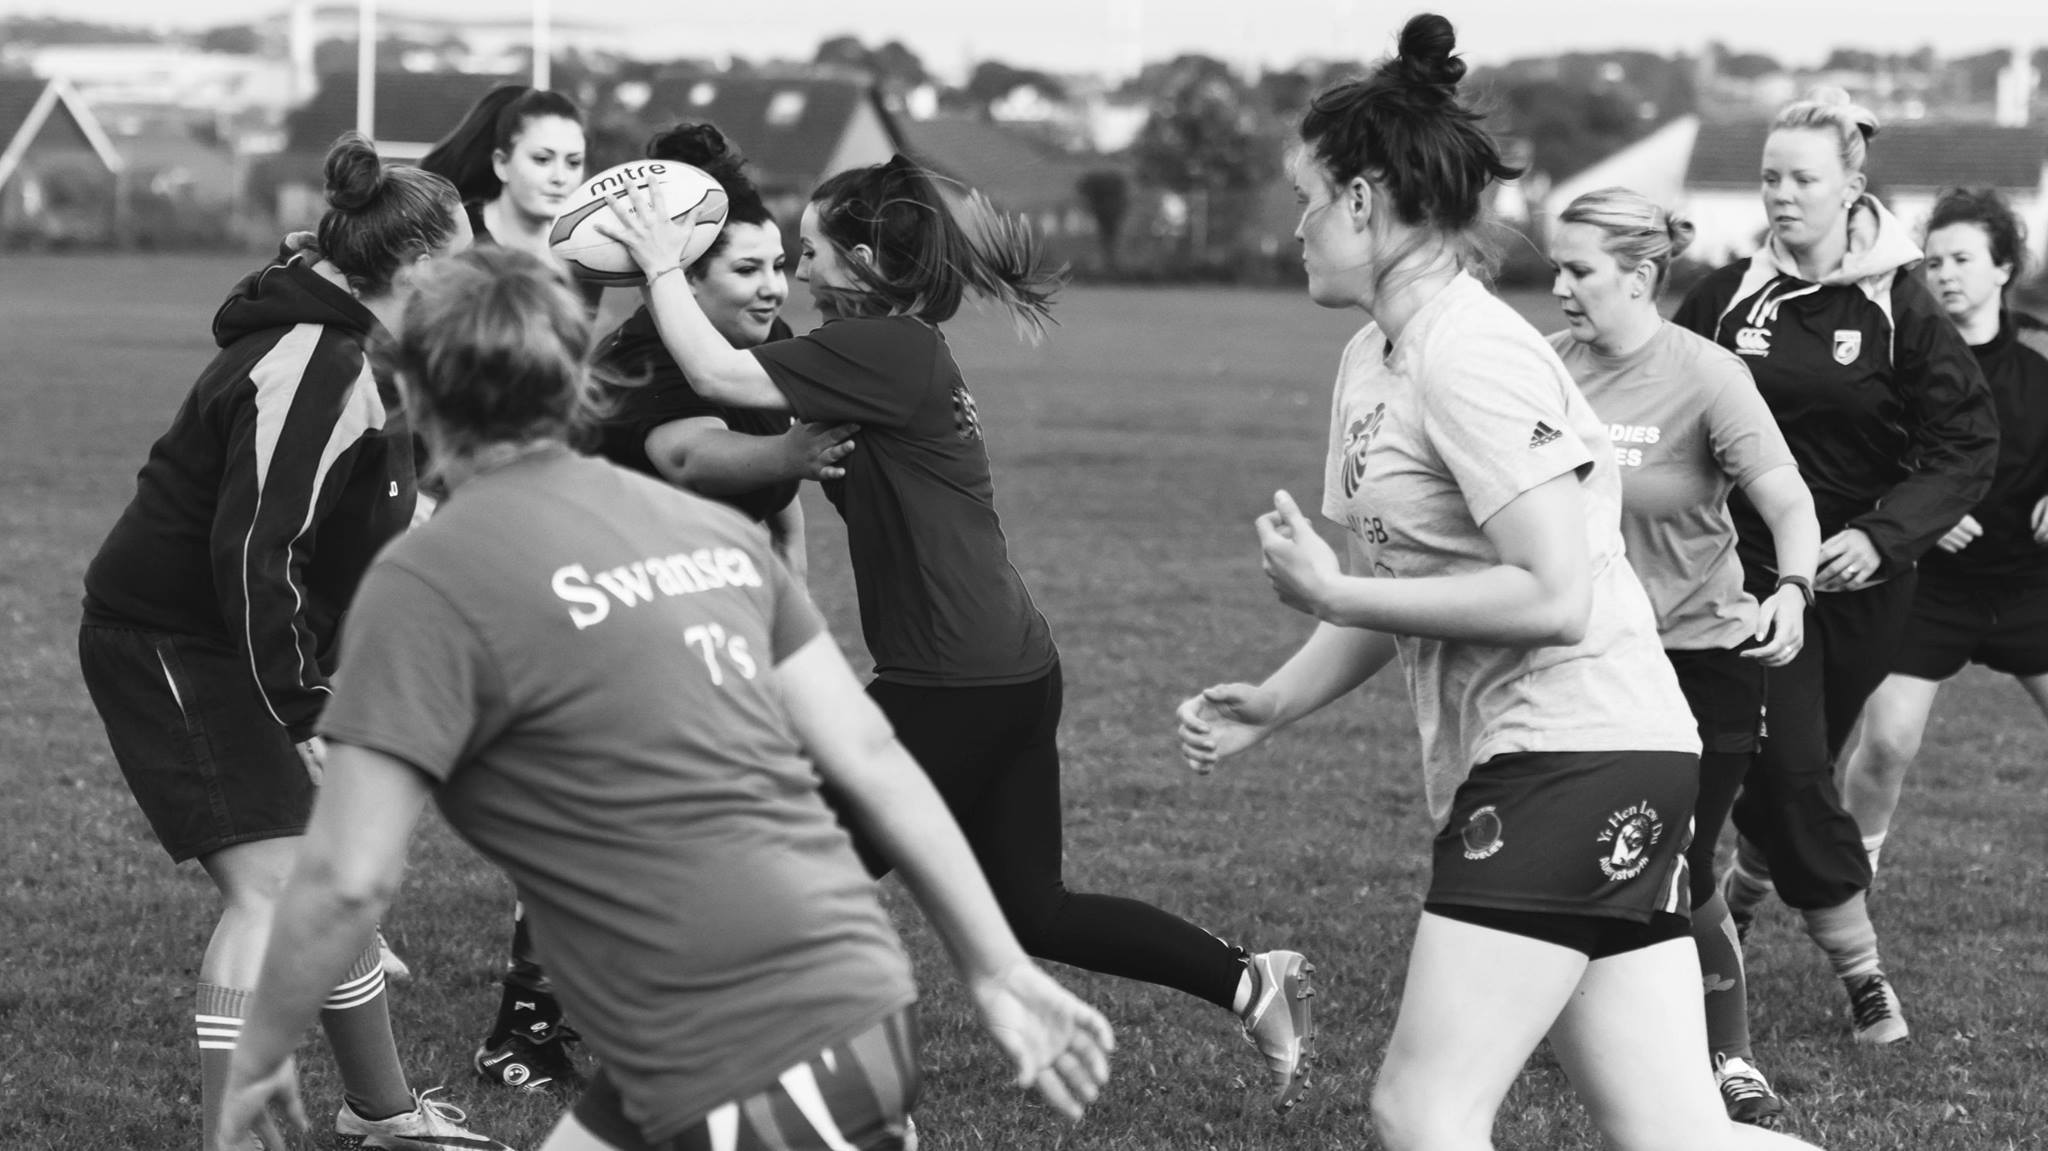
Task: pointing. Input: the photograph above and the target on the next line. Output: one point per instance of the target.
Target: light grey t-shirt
(1688, 426)
(1427, 442)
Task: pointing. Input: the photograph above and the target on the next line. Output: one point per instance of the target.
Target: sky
(1109, 36)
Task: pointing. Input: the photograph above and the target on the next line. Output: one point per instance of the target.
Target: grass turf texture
(1132, 451)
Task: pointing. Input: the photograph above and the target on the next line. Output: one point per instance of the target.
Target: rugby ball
(594, 256)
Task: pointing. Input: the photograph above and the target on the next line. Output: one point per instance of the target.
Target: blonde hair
(1828, 109)
(1638, 229)
(495, 348)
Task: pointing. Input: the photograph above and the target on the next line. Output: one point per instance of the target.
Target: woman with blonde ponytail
(965, 666)
(1894, 432)
(1688, 428)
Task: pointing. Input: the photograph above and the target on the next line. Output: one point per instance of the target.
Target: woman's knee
(252, 876)
(1412, 1116)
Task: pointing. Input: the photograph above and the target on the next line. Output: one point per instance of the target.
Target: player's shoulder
(2032, 335)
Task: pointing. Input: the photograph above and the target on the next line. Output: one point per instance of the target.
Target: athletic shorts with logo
(205, 759)
(2002, 625)
(856, 1093)
(1577, 833)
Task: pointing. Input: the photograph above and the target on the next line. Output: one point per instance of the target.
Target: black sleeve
(1951, 427)
(1700, 312)
(863, 371)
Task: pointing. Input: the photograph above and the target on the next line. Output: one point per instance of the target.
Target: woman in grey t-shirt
(1688, 428)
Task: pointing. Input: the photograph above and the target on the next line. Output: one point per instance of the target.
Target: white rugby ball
(592, 255)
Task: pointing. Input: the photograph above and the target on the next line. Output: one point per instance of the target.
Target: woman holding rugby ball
(212, 610)
(1560, 761)
(1888, 418)
(1688, 427)
(965, 667)
(1982, 595)
(647, 771)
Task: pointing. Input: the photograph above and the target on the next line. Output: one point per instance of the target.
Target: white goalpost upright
(542, 46)
(366, 68)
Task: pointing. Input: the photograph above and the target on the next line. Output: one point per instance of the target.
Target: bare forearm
(720, 372)
(317, 933)
(1786, 506)
(1333, 662)
(1503, 604)
(728, 463)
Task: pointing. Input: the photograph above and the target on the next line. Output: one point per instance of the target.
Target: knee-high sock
(217, 1013)
(1749, 878)
(1727, 993)
(357, 1020)
(1846, 934)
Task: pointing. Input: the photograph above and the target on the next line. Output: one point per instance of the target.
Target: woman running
(213, 607)
(660, 426)
(1982, 595)
(1482, 504)
(965, 667)
(1688, 427)
(643, 768)
(1894, 433)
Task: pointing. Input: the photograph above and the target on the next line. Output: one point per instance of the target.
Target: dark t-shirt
(582, 660)
(2015, 365)
(657, 392)
(940, 603)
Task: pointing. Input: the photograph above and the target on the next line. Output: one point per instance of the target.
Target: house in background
(1020, 172)
(1710, 171)
(60, 175)
(794, 130)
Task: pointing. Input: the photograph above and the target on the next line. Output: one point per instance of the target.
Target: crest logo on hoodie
(1848, 345)
(1753, 341)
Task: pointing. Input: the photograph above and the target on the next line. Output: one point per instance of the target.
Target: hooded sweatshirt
(1880, 400)
(283, 473)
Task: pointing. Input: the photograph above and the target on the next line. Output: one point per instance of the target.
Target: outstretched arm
(704, 455)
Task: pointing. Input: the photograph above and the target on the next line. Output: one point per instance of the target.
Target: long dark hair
(379, 219)
(494, 122)
(926, 259)
(704, 146)
(1405, 131)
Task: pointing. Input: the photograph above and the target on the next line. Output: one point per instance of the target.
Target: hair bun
(354, 172)
(1424, 56)
(1680, 230)
(1835, 97)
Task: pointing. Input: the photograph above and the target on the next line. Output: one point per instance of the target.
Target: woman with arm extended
(213, 608)
(749, 458)
(1688, 428)
(642, 765)
(1888, 418)
(1982, 595)
(965, 666)
(1560, 762)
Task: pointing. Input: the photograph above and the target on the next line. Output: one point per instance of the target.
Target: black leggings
(1790, 805)
(993, 754)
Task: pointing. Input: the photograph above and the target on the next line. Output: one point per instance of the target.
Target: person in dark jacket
(1889, 420)
(213, 608)
(1983, 590)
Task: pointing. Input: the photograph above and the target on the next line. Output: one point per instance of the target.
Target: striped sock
(357, 1020)
(217, 1015)
(1846, 934)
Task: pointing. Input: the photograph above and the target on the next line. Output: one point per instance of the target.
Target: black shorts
(208, 763)
(1957, 622)
(1576, 833)
(868, 1084)
(1726, 695)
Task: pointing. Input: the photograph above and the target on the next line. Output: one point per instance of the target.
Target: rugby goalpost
(366, 58)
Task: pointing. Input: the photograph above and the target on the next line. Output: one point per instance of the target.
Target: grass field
(1132, 450)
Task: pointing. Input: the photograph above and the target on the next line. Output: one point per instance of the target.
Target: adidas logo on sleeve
(1544, 435)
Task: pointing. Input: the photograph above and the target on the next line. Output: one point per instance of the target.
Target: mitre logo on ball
(575, 239)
